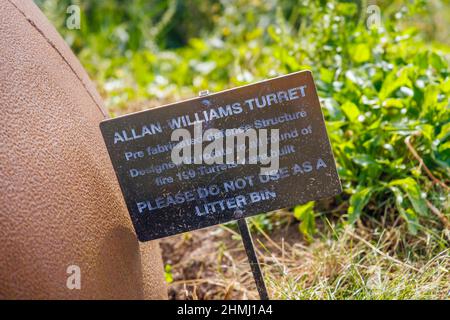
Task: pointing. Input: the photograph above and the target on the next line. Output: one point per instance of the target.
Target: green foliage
(168, 273)
(357, 203)
(377, 86)
(305, 214)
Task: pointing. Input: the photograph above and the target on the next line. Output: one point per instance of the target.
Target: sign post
(252, 259)
(223, 156)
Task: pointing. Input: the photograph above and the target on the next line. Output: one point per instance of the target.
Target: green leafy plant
(305, 214)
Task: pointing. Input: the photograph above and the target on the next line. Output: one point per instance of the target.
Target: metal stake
(252, 259)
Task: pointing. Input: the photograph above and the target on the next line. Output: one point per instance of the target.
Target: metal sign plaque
(165, 196)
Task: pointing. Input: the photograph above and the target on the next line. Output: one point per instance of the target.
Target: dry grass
(352, 267)
(362, 263)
